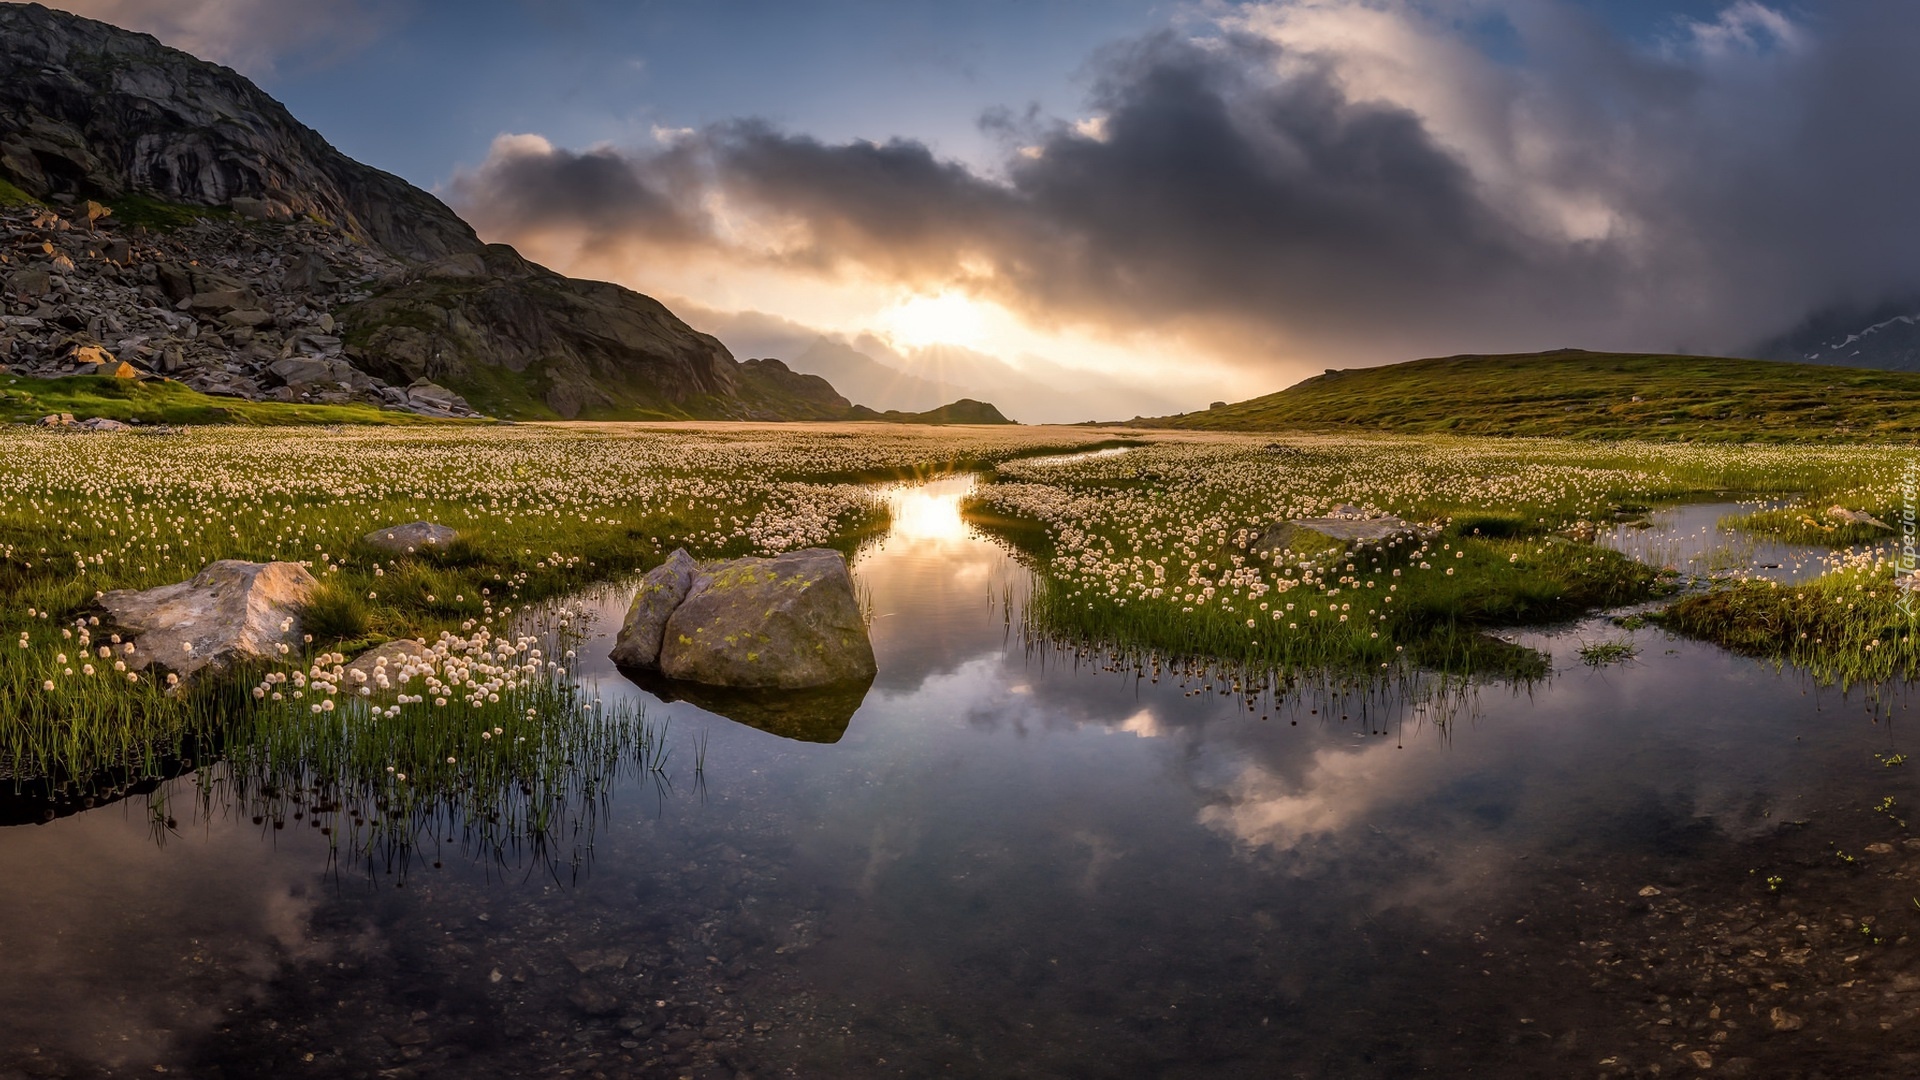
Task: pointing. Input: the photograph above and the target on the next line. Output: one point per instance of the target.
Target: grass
(490, 743)
(24, 399)
(1605, 653)
(13, 196)
(1149, 550)
(1851, 626)
(1809, 523)
(163, 216)
(1589, 395)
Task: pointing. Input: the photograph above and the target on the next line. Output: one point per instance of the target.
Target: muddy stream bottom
(1013, 861)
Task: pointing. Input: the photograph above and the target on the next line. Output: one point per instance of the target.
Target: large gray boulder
(229, 613)
(785, 622)
(410, 538)
(661, 591)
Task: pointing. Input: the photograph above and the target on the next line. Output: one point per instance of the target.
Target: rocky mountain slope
(1886, 336)
(163, 216)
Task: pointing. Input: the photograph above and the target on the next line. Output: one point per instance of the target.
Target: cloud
(1335, 180)
(252, 36)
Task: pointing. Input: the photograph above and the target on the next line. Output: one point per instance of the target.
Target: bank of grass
(513, 772)
(1848, 627)
(1426, 606)
(1153, 549)
(1809, 523)
(1578, 394)
(151, 401)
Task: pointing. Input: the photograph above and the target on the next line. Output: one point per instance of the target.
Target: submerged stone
(661, 591)
(232, 611)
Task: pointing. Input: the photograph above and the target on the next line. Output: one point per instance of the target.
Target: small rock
(411, 537)
(1783, 1020)
(1701, 1059)
(1343, 529)
(594, 1001)
(384, 664)
(588, 961)
(1650, 891)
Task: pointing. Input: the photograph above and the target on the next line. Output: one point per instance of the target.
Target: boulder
(660, 592)
(408, 538)
(789, 622)
(101, 423)
(261, 209)
(436, 398)
(229, 613)
(54, 420)
(221, 301)
(251, 318)
(1855, 517)
(1306, 535)
(31, 282)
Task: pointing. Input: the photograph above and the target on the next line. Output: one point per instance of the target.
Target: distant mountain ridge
(1884, 336)
(90, 111)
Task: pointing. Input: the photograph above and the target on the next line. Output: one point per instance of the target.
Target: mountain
(305, 275)
(871, 382)
(963, 411)
(1573, 393)
(1886, 336)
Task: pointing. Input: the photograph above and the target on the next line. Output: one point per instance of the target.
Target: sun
(944, 318)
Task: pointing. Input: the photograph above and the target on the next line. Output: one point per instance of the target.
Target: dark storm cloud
(1268, 190)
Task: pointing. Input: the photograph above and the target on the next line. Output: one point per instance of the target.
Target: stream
(1015, 860)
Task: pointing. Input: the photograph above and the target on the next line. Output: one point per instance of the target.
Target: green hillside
(1572, 393)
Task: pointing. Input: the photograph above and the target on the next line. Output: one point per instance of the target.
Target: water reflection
(818, 715)
(1689, 538)
(1011, 860)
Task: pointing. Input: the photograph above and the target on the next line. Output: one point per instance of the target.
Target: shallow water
(1688, 538)
(1013, 862)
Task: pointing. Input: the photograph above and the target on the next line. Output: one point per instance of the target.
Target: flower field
(542, 511)
(1150, 549)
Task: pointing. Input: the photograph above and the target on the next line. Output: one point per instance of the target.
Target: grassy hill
(1587, 395)
(24, 399)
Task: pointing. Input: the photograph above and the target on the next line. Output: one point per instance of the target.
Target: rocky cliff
(318, 278)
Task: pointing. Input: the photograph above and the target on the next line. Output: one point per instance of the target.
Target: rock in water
(230, 612)
(789, 622)
(661, 591)
(411, 537)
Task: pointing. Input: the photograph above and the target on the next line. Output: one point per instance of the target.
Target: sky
(1102, 209)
